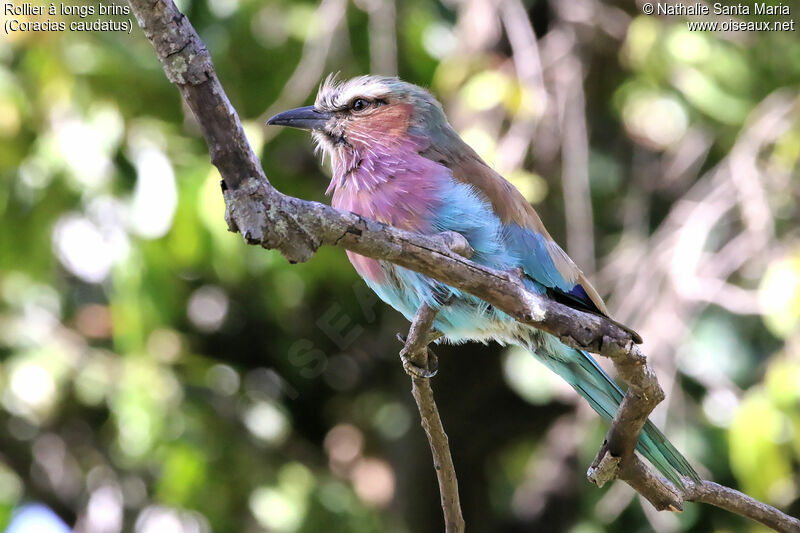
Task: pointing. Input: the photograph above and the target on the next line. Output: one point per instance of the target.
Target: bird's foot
(411, 359)
(418, 360)
(417, 371)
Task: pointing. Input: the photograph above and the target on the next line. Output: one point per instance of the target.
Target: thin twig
(575, 159)
(416, 350)
(297, 228)
(742, 504)
(311, 66)
(513, 147)
(382, 22)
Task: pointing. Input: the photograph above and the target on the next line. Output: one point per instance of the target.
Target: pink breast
(399, 188)
(366, 267)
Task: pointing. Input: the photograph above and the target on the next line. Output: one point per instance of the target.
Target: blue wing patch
(533, 255)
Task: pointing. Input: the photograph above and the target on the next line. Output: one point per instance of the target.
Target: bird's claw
(410, 366)
(414, 370)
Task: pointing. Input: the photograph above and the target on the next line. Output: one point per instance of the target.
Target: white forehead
(334, 94)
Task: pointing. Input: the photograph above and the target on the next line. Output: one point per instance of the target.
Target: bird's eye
(359, 104)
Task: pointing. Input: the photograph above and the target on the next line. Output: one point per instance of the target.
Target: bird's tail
(590, 381)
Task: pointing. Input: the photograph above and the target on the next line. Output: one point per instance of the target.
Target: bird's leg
(419, 360)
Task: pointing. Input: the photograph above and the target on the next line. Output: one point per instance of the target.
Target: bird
(396, 159)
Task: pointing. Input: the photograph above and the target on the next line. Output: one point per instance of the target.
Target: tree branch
(616, 458)
(297, 228)
(741, 504)
(416, 352)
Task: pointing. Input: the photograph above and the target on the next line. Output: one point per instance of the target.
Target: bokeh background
(157, 375)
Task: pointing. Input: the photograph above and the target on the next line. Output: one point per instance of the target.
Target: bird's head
(365, 113)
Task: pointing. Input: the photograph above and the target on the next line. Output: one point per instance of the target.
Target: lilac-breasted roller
(397, 160)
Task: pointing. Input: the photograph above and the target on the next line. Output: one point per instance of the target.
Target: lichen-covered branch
(297, 228)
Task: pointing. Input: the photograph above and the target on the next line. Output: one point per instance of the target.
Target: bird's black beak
(304, 118)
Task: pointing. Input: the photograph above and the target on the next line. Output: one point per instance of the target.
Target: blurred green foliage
(157, 373)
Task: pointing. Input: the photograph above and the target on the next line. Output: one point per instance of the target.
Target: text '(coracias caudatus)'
(397, 160)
